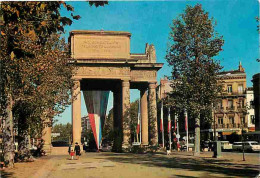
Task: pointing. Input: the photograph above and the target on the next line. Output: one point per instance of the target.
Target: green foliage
(107, 132)
(35, 76)
(138, 149)
(194, 71)
(65, 131)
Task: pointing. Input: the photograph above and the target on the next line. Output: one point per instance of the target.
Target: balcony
(241, 108)
(230, 108)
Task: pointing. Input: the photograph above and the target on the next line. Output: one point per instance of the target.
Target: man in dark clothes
(77, 150)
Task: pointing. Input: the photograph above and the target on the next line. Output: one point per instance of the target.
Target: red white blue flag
(138, 119)
(161, 120)
(169, 121)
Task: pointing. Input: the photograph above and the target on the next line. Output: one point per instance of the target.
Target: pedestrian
(77, 150)
(70, 145)
(84, 147)
(72, 153)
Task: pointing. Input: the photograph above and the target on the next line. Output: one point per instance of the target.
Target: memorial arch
(103, 61)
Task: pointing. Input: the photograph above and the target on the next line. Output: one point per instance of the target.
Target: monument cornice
(101, 32)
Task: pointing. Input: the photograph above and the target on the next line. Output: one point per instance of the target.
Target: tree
(35, 75)
(65, 131)
(194, 69)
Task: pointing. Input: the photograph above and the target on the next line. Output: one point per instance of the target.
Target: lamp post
(243, 147)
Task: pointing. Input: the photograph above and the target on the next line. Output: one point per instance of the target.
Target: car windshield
(254, 143)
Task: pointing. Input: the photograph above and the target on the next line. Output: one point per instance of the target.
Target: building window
(230, 104)
(229, 88)
(220, 120)
(252, 118)
(240, 89)
(251, 104)
(241, 103)
(231, 120)
(242, 119)
(219, 104)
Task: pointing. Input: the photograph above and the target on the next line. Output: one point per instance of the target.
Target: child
(72, 153)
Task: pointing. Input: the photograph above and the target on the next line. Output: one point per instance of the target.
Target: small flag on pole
(175, 124)
(138, 120)
(169, 121)
(161, 121)
(186, 121)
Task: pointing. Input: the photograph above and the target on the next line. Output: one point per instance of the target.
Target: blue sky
(149, 22)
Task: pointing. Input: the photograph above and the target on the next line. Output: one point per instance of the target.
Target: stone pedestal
(153, 128)
(144, 116)
(125, 110)
(46, 136)
(76, 113)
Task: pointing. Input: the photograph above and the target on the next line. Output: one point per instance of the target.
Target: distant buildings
(235, 110)
(231, 112)
(85, 127)
(250, 109)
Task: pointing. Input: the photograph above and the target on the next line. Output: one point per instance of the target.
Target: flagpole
(162, 124)
(177, 120)
(169, 128)
(187, 130)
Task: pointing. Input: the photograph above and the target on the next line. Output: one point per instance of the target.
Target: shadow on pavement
(4, 174)
(217, 166)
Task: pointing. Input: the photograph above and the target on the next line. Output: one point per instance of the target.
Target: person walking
(77, 150)
(72, 154)
(69, 150)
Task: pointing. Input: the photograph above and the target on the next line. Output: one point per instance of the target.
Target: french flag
(161, 122)
(169, 121)
(138, 120)
(186, 121)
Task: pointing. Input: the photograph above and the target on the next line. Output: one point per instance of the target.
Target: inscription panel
(103, 72)
(143, 75)
(100, 47)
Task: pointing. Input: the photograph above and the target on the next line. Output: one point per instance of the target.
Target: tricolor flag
(175, 123)
(138, 120)
(169, 121)
(161, 122)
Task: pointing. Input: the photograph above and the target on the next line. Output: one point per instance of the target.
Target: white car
(252, 146)
(237, 146)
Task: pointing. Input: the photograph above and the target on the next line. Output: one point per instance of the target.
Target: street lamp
(243, 147)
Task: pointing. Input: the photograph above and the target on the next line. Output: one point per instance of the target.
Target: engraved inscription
(101, 47)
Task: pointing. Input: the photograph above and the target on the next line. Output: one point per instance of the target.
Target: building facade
(250, 109)
(231, 111)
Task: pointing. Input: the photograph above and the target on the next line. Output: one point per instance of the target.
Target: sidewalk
(178, 164)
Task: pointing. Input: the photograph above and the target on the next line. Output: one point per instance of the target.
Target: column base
(47, 148)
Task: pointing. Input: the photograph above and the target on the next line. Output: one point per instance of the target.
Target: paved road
(107, 165)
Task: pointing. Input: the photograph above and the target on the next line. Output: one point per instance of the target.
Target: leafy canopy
(194, 43)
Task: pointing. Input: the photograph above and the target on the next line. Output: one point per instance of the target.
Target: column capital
(152, 85)
(125, 83)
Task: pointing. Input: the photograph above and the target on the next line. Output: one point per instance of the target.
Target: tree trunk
(8, 135)
(197, 136)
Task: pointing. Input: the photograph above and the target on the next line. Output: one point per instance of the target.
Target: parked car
(184, 147)
(226, 146)
(251, 146)
(237, 146)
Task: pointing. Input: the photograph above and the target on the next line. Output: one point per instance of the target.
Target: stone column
(125, 108)
(46, 136)
(153, 128)
(144, 116)
(76, 113)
